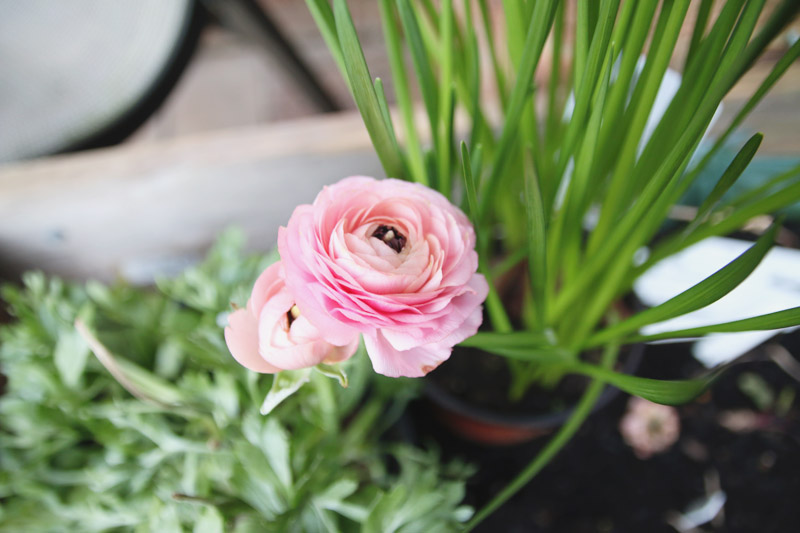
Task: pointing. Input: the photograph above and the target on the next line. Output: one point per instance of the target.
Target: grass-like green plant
(140, 420)
(571, 150)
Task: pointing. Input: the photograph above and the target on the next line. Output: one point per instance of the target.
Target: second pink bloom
(267, 337)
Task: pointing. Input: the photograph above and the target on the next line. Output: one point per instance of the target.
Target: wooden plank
(135, 210)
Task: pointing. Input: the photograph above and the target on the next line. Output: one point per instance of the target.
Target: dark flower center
(654, 426)
(393, 238)
(291, 315)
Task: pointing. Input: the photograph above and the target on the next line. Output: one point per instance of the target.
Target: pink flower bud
(272, 334)
(649, 428)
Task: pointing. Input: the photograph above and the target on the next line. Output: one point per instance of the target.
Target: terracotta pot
(496, 427)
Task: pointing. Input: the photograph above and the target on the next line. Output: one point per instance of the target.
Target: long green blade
(622, 185)
(537, 243)
(539, 27)
(729, 177)
(383, 105)
(778, 182)
(469, 182)
(419, 58)
(668, 392)
(403, 92)
(444, 132)
(765, 201)
(586, 86)
(364, 92)
(567, 241)
(704, 293)
(542, 356)
(645, 211)
(323, 16)
(703, 13)
(500, 79)
(777, 320)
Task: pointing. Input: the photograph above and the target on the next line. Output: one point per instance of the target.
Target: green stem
(494, 306)
(322, 384)
(445, 126)
(403, 92)
(499, 76)
(581, 412)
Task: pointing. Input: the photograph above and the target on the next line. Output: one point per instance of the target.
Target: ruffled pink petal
(308, 293)
(412, 363)
(268, 283)
(305, 349)
(453, 324)
(417, 302)
(468, 328)
(337, 354)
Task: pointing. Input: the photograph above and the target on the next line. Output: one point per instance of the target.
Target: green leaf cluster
(163, 432)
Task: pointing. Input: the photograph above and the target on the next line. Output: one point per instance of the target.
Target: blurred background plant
(159, 429)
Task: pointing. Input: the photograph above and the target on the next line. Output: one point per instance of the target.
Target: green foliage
(190, 451)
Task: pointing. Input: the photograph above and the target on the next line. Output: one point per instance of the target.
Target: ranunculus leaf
(141, 383)
(276, 445)
(284, 384)
(334, 371)
(210, 521)
(70, 357)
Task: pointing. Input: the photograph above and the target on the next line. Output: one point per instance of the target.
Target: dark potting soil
(597, 484)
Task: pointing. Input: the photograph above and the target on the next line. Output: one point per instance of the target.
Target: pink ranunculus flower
(271, 334)
(392, 260)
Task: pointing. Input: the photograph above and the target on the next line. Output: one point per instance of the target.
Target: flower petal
(412, 363)
(241, 336)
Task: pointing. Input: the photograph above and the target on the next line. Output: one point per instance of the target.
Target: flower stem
(581, 412)
(494, 306)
